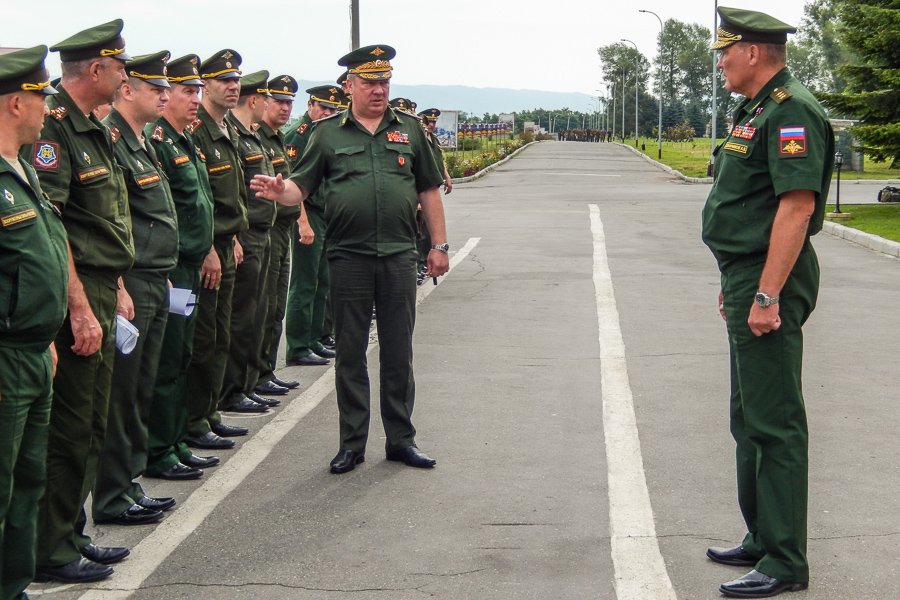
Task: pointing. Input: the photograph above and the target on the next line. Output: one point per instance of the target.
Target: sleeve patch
(19, 217)
(219, 168)
(291, 151)
(252, 158)
(46, 156)
(180, 160)
(91, 174)
(792, 142)
(278, 161)
(147, 180)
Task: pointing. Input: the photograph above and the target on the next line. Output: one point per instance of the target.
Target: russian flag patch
(792, 141)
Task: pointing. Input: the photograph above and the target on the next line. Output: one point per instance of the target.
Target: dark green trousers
(124, 455)
(212, 338)
(77, 428)
(423, 245)
(768, 416)
(308, 289)
(248, 311)
(389, 283)
(278, 281)
(167, 424)
(24, 429)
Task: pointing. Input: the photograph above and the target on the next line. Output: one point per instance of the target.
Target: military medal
(9, 197)
(401, 161)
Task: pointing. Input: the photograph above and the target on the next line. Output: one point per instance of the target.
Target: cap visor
(283, 97)
(123, 56)
(232, 75)
(159, 82)
(49, 91)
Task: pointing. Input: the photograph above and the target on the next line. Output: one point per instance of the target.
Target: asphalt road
(510, 401)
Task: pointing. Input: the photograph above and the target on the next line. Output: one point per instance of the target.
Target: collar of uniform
(779, 79)
(389, 117)
(115, 119)
(80, 121)
(215, 132)
(266, 131)
(237, 124)
(170, 130)
(31, 177)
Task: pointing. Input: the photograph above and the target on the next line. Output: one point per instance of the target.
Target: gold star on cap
(377, 52)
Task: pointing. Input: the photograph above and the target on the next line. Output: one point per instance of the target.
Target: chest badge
(401, 160)
(218, 154)
(86, 156)
(140, 165)
(9, 197)
(397, 137)
(744, 132)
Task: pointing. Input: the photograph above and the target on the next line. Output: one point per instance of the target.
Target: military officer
(371, 247)
(772, 176)
(429, 122)
(75, 163)
(250, 301)
(144, 293)
(34, 274)
(216, 139)
(185, 168)
(307, 299)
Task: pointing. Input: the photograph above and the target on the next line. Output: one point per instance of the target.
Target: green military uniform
(185, 167)
(781, 142)
(250, 300)
(74, 161)
(370, 197)
(283, 87)
(33, 288)
(308, 295)
(424, 241)
(213, 329)
(155, 230)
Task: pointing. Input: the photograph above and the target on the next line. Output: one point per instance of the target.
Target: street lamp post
(637, 56)
(623, 104)
(712, 134)
(838, 163)
(659, 126)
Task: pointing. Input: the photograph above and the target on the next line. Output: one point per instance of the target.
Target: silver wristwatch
(445, 247)
(765, 300)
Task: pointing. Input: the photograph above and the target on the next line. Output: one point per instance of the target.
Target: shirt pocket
(399, 158)
(351, 160)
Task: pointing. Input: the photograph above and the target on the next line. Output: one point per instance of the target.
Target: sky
(515, 44)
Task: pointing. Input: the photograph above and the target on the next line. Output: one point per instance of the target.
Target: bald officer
(772, 176)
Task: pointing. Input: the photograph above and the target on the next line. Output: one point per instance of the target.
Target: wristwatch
(765, 300)
(445, 247)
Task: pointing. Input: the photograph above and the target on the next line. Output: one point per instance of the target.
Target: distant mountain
(478, 101)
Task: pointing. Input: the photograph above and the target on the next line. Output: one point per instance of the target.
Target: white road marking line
(150, 553)
(639, 568)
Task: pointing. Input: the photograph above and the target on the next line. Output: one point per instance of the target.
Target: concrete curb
(867, 240)
(492, 166)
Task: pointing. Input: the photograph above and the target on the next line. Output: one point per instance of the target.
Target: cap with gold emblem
(369, 62)
(24, 70)
(342, 79)
(255, 83)
(739, 25)
(96, 42)
(329, 96)
(404, 104)
(430, 114)
(224, 64)
(185, 70)
(150, 68)
(283, 87)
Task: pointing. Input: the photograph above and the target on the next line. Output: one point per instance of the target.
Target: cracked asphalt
(508, 401)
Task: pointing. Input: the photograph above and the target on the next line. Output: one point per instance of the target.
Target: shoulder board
(339, 113)
(59, 112)
(193, 126)
(779, 95)
(115, 134)
(157, 134)
(302, 129)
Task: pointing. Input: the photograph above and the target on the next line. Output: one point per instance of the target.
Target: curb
(866, 240)
(491, 166)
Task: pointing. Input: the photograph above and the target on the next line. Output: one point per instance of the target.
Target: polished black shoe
(734, 557)
(412, 457)
(291, 385)
(757, 585)
(323, 352)
(346, 460)
(81, 570)
(223, 430)
(135, 515)
(328, 342)
(200, 462)
(271, 388)
(104, 555)
(270, 402)
(245, 405)
(310, 360)
(208, 441)
(177, 472)
(162, 504)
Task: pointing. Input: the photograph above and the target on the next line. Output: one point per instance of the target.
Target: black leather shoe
(200, 462)
(156, 503)
(271, 388)
(208, 441)
(310, 360)
(735, 557)
(245, 405)
(135, 515)
(757, 585)
(346, 460)
(270, 402)
(323, 352)
(104, 555)
(412, 457)
(81, 570)
(328, 342)
(291, 385)
(223, 430)
(177, 472)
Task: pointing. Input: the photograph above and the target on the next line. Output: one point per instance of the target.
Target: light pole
(838, 163)
(712, 131)
(637, 55)
(659, 127)
(354, 24)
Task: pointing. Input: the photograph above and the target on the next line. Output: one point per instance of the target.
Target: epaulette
(193, 126)
(114, 133)
(59, 113)
(302, 129)
(779, 95)
(157, 134)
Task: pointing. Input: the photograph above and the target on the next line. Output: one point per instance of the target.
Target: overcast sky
(480, 43)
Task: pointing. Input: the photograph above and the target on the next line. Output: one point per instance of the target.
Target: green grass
(691, 157)
(882, 220)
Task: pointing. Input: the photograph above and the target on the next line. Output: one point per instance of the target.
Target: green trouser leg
(246, 330)
(358, 281)
(768, 418)
(77, 429)
(308, 290)
(124, 453)
(256, 361)
(212, 336)
(168, 410)
(24, 428)
(424, 245)
(278, 281)
(328, 321)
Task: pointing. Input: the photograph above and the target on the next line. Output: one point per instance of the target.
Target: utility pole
(712, 130)
(637, 56)
(659, 126)
(354, 24)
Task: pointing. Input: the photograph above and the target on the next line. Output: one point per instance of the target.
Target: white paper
(182, 301)
(126, 335)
